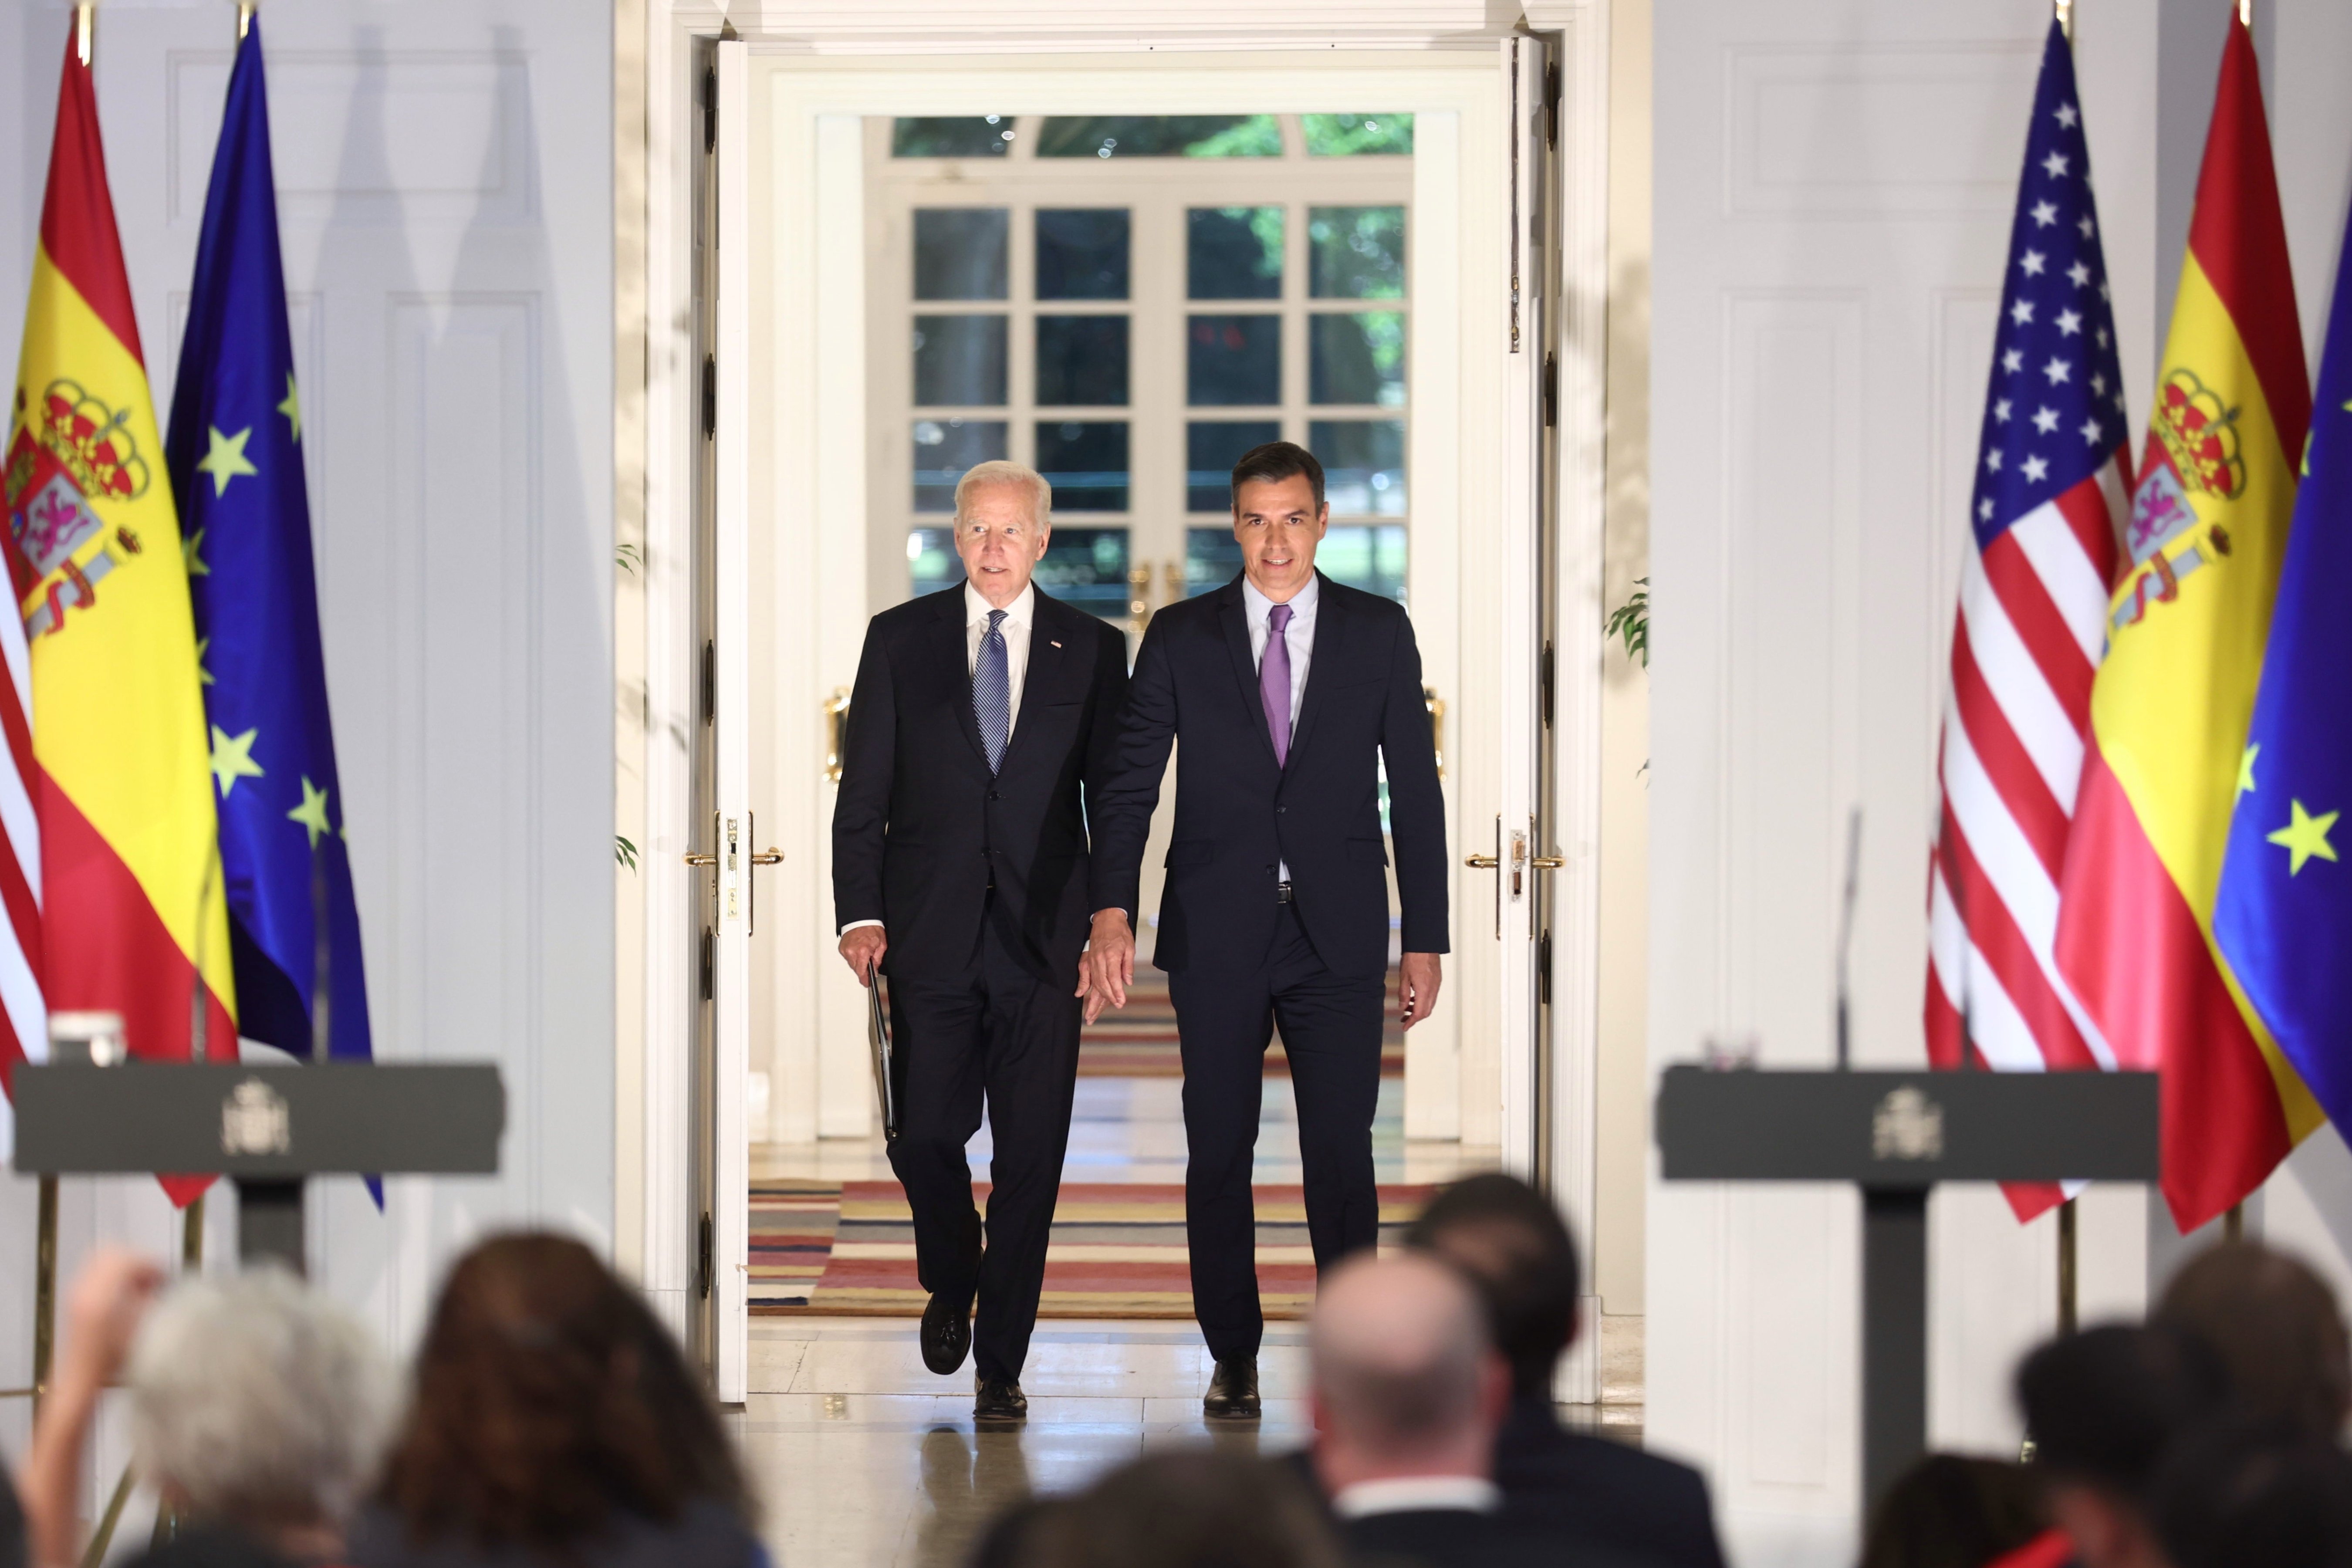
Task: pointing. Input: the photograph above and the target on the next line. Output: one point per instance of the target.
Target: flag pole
(245, 11)
(2065, 9)
(85, 31)
(2067, 1264)
(44, 1291)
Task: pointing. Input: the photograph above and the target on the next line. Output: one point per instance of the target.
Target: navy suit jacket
(919, 826)
(1239, 815)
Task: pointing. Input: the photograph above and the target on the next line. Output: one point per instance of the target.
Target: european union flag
(235, 456)
(2283, 915)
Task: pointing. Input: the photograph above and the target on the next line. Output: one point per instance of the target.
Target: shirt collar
(1302, 603)
(1021, 612)
(1419, 1494)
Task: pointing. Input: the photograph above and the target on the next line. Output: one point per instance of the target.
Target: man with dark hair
(2275, 1325)
(2104, 1406)
(1290, 692)
(2254, 1494)
(1510, 1241)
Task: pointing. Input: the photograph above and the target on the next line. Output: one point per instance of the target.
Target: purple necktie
(1274, 682)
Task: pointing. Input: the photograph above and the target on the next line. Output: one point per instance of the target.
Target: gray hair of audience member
(259, 1401)
(999, 471)
(2277, 1327)
(1401, 1351)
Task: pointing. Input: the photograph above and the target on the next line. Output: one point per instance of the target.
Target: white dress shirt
(1018, 616)
(1298, 637)
(1418, 1494)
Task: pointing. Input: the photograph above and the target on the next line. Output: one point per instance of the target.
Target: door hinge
(1551, 104)
(710, 397)
(1551, 390)
(1544, 670)
(702, 1261)
(710, 680)
(1543, 970)
(709, 964)
(710, 109)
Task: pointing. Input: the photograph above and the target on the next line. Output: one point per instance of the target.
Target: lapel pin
(1058, 645)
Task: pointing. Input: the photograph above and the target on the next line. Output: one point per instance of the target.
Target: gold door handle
(836, 732)
(1437, 706)
(1475, 862)
(1548, 862)
(776, 858)
(701, 860)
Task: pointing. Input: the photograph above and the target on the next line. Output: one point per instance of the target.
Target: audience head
(1511, 1242)
(1406, 1379)
(1952, 1511)
(2103, 1407)
(546, 1400)
(257, 1403)
(1197, 1508)
(2276, 1328)
(2254, 1494)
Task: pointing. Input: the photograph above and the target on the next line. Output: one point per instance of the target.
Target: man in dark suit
(1574, 1487)
(981, 720)
(1289, 692)
(1408, 1394)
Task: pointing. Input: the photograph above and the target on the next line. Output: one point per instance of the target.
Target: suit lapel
(950, 654)
(1330, 631)
(1232, 615)
(1042, 675)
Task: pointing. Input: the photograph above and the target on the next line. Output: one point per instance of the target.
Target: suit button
(993, 795)
(1280, 809)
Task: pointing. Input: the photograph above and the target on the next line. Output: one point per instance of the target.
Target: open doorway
(1338, 247)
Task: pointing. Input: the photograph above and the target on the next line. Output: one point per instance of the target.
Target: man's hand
(862, 948)
(1107, 968)
(103, 1308)
(1418, 978)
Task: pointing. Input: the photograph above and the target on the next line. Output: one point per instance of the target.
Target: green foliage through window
(1353, 135)
(1160, 136)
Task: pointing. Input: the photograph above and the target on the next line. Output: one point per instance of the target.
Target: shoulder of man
(920, 612)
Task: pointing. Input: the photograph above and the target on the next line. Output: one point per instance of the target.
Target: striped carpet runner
(1118, 1249)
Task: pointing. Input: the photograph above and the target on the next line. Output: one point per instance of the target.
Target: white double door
(783, 583)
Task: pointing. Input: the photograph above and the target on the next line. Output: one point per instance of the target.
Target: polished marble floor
(864, 1457)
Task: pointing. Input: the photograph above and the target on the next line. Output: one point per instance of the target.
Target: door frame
(1573, 204)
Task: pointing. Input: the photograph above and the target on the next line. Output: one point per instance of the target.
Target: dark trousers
(995, 1031)
(1331, 1033)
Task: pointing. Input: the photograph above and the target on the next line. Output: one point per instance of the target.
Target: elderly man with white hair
(1408, 1395)
(258, 1412)
(980, 728)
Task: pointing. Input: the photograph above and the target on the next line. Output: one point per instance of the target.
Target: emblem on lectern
(1907, 1125)
(254, 1120)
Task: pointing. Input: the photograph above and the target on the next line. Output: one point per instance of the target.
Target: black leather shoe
(999, 1399)
(1233, 1391)
(947, 1334)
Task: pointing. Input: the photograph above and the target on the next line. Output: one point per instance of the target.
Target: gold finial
(2065, 16)
(245, 11)
(85, 27)
(2246, 15)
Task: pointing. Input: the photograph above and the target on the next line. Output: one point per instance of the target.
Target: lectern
(268, 1128)
(1897, 1136)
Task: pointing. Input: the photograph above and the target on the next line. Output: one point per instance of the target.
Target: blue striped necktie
(991, 692)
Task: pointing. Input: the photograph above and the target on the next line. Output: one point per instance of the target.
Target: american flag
(23, 1018)
(2052, 492)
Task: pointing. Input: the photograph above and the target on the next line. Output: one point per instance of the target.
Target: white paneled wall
(444, 175)
(1833, 190)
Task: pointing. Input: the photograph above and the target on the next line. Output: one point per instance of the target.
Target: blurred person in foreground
(1196, 1507)
(2253, 1494)
(2277, 1329)
(2104, 1405)
(259, 1408)
(553, 1421)
(1954, 1510)
(1511, 1242)
(1408, 1395)
(103, 1307)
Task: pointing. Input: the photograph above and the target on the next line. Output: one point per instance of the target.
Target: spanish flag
(2185, 629)
(135, 920)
